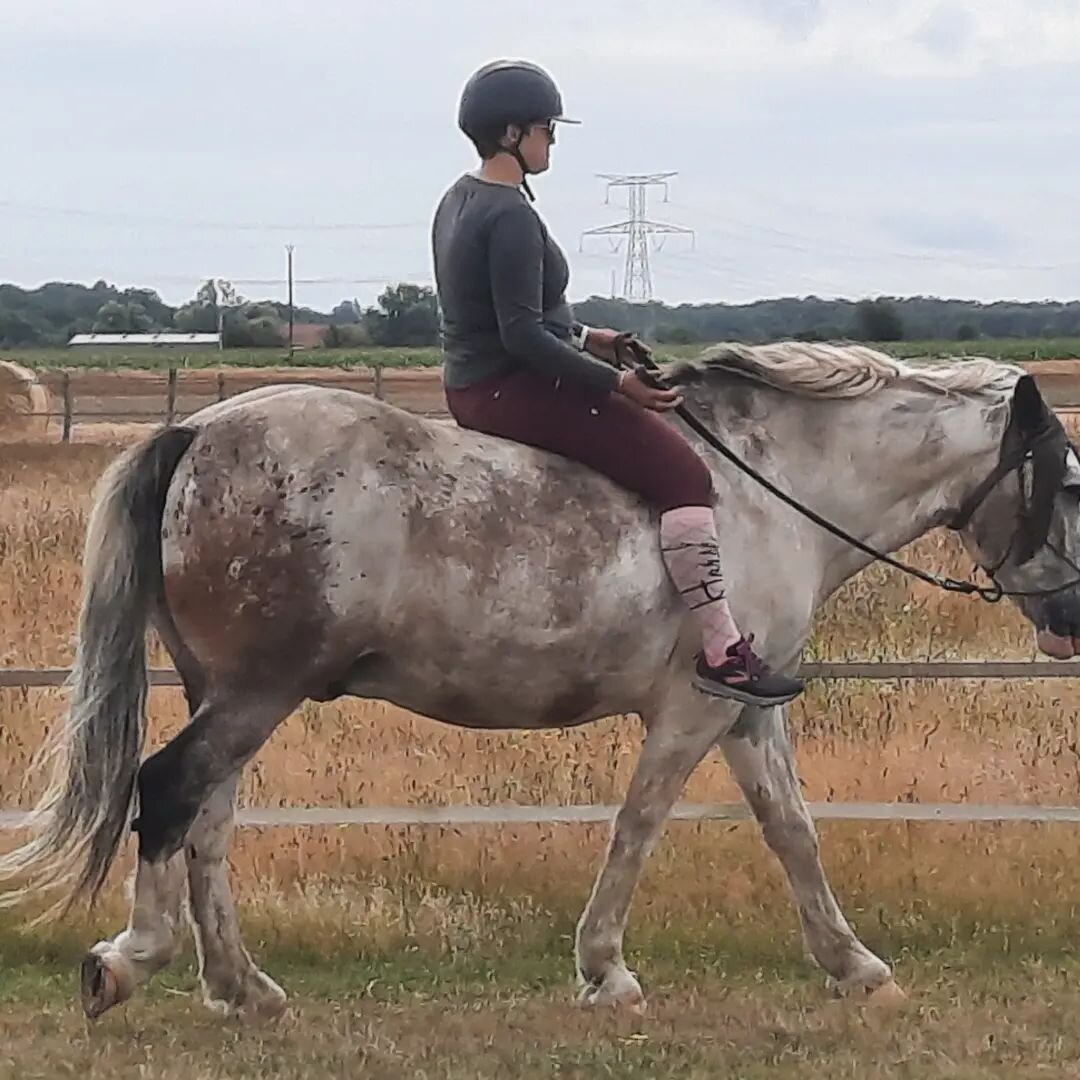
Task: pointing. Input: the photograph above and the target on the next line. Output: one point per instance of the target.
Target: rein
(642, 364)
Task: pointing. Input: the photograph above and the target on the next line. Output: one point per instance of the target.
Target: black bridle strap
(1009, 462)
(647, 371)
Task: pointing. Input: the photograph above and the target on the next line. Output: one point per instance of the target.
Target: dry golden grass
(988, 741)
(445, 952)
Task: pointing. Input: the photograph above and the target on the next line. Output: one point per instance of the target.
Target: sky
(826, 147)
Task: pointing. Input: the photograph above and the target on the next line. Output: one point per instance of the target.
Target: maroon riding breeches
(632, 446)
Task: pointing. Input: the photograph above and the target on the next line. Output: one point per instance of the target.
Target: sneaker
(745, 677)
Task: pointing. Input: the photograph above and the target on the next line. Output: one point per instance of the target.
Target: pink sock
(692, 557)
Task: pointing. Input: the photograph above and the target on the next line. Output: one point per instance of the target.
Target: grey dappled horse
(297, 542)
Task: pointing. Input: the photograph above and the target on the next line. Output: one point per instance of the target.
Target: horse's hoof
(260, 999)
(888, 994)
(883, 994)
(619, 989)
(106, 979)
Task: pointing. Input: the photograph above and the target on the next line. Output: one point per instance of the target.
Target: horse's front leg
(761, 758)
(678, 736)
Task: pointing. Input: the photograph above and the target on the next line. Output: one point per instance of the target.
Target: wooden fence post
(170, 402)
(378, 388)
(67, 406)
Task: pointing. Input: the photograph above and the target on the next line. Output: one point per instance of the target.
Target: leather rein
(1036, 447)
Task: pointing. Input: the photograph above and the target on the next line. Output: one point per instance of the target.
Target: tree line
(408, 315)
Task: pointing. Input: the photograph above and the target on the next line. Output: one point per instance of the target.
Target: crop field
(1016, 349)
(447, 952)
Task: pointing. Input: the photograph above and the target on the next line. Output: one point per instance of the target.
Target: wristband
(578, 336)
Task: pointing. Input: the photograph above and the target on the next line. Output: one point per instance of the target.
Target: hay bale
(24, 403)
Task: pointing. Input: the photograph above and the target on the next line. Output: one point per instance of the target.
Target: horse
(297, 542)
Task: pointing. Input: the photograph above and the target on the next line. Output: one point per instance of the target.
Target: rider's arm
(516, 264)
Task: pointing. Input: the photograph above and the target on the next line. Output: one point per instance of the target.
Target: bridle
(1043, 450)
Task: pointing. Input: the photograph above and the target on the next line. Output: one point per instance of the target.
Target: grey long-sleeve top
(501, 283)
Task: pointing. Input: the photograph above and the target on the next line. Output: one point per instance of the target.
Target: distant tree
(345, 336)
(17, 330)
(877, 320)
(675, 334)
(406, 315)
(117, 317)
(966, 332)
(347, 313)
(266, 331)
(253, 326)
(207, 311)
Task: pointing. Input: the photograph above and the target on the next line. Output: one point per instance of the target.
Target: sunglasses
(547, 126)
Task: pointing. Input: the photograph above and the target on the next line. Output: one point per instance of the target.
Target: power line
(235, 226)
(807, 245)
(638, 229)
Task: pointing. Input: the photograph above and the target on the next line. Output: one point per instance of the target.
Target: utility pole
(289, 249)
(638, 229)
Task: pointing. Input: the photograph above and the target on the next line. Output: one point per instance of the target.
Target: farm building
(162, 340)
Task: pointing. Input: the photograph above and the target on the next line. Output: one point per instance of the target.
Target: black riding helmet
(508, 92)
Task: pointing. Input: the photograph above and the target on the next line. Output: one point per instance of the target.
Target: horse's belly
(473, 678)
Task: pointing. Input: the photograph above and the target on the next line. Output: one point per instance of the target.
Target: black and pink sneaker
(745, 677)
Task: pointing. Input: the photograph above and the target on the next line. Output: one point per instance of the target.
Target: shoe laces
(754, 665)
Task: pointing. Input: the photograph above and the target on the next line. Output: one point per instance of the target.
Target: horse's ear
(1029, 409)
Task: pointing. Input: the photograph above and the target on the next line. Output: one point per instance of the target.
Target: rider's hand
(600, 342)
(646, 396)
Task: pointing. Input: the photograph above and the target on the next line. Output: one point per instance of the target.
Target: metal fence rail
(825, 670)
(514, 814)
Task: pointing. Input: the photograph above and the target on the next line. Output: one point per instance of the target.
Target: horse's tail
(79, 821)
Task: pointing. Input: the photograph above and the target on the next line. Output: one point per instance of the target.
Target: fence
(178, 392)
(514, 814)
(183, 390)
(421, 390)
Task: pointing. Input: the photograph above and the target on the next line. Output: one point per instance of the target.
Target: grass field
(989, 1002)
(447, 952)
(1018, 349)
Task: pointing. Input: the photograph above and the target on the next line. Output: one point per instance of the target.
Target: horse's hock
(24, 403)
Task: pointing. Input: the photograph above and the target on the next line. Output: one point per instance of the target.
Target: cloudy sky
(836, 147)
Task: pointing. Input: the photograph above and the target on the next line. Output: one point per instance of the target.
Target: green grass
(1014, 349)
(104, 359)
(987, 1000)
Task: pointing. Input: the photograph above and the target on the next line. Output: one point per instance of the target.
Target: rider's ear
(1029, 409)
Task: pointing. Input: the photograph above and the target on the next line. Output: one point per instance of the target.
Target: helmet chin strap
(519, 157)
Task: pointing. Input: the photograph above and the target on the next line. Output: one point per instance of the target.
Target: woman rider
(516, 364)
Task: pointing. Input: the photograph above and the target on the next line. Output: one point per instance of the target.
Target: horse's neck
(886, 467)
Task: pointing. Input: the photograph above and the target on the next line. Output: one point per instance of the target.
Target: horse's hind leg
(231, 982)
(113, 969)
(761, 758)
(173, 785)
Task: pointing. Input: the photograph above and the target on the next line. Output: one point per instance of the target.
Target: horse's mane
(811, 369)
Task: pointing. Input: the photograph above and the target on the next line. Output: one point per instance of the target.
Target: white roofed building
(162, 340)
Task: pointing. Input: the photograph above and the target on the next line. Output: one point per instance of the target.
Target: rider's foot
(745, 677)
